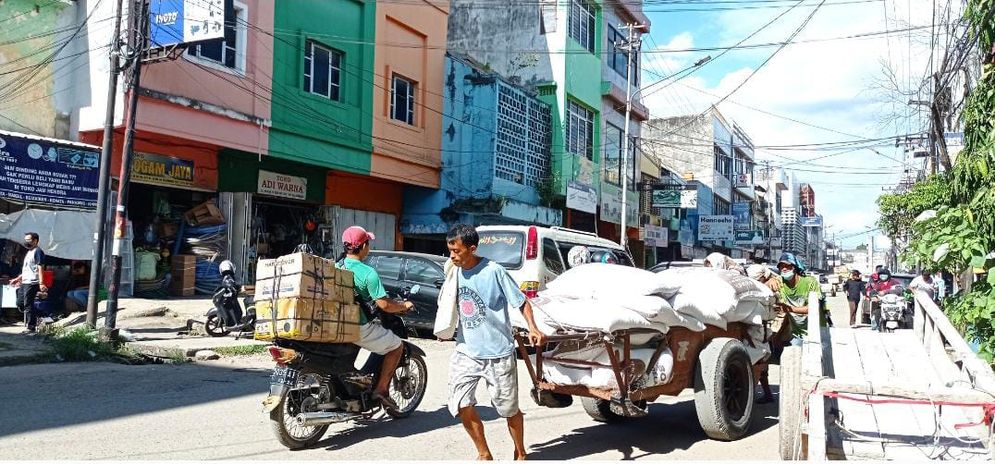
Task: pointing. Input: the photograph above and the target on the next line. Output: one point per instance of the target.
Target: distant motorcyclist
(225, 299)
(885, 284)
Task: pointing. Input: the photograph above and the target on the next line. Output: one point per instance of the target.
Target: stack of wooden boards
(304, 297)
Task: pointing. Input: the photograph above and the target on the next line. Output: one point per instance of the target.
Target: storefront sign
(282, 185)
(582, 197)
(717, 228)
(750, 237)
(741, 213)
(47, 172)
(667, 198)
(744, 179)
(162, 170)
(689, 199)
(611, 206)
(656, 236)
(174, 22)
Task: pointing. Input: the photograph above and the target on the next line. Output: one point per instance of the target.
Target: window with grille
(580, 130)
(523, 137)
(228, 51)
(322, 70)
(402, 100)
(618, 58)
(581, 23)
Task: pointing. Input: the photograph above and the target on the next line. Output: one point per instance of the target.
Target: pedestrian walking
(854, 289)
(924, 282)
(29, 283)
(485, 347)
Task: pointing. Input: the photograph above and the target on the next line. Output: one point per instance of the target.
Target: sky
(834, 90)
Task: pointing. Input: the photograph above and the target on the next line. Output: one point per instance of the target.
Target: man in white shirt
(29, 283)
(924, 282)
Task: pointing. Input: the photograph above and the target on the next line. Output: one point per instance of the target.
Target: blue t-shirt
(484, 296)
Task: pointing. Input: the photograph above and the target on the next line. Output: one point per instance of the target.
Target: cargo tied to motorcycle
(304, 297)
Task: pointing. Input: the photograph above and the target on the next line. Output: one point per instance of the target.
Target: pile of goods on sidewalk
(602, 299)
(305, 297)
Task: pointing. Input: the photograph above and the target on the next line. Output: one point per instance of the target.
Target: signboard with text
(689, 199)
(811, 221)
(750, 237)
(656, 236)
(47, 172)
(282, 185)
(667, 198)
(741, 211)
(582, 197)
(173, 22)
(718, 228)
(162, 170)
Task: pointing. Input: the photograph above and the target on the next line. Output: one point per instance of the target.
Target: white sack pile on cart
(602, 299)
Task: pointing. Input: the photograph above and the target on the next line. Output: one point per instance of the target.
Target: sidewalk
(20, 349)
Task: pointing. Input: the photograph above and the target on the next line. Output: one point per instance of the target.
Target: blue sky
(837, 87)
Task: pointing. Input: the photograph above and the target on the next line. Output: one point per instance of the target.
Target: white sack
(565, 375)
(598, 280)
(648, 306)
(672, 318)
(747, 289)
(671, 280)
(707, 298)
(584, 314)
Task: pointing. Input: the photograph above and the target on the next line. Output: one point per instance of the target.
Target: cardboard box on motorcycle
(302, 275)
(306, 319)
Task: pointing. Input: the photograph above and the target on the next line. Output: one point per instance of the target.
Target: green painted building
(323, 83)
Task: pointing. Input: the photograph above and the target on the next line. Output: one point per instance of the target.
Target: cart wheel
(600, 410)
(790, 404)
(550, 399)
(723, 389)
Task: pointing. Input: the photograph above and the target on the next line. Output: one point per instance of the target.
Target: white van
(535, 255)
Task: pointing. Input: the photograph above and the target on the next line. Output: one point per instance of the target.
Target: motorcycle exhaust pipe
(311, 419)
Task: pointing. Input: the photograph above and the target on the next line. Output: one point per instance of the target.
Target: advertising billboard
(48, 172)
(173, 22)
(742, 212)
(715, 228)
(806, 197)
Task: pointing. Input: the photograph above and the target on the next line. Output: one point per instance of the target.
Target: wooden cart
(713, 362)
(910, 395)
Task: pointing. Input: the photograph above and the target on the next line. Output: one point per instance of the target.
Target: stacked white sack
(604, 377)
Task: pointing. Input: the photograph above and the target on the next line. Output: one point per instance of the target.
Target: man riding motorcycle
(373, 336)
(881, 286)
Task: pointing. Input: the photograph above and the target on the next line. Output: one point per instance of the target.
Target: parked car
(400, 271)
(535, 255)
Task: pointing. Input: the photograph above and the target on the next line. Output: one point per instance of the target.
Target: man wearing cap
(373, 337)
(794, 294)
(854, 288)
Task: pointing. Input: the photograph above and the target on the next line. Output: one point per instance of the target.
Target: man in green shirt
(373, 337)
(794, 294)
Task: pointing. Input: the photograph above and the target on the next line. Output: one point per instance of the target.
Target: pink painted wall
(245, 92)
(411, 39)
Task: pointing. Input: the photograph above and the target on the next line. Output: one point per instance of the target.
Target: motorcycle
(315, 385)
(227, 315)
(893, 310)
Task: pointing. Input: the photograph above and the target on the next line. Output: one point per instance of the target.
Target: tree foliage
(898, 211)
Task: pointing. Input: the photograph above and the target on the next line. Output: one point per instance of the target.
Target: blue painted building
(496, 141)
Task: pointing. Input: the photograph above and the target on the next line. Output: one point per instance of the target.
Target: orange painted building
(407, 94)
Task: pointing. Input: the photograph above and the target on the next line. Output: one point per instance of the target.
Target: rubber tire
(416, 359)
(789, 404)
(599, 410)
(276, 424)
(220, 330)
(720, 354)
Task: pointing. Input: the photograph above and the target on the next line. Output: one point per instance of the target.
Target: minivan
(535, 255)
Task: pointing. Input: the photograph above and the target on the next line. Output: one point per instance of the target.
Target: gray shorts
(501, 375)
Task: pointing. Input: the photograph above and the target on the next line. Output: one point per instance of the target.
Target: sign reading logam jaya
(282, 185)
(717, 228)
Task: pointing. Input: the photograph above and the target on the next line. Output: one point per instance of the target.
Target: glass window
(582, 25)
(402, 100)
(613, 154)
(618, 57)
(421, 271)
(551, 257)
(504, 248)
(389, 267)
(225, 51)
(580, 130)
(322, 70)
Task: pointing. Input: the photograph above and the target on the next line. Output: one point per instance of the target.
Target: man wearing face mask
(794, 294)
(29, 283)
(882, 286)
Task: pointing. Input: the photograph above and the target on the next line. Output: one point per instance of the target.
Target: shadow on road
(665, 429)
(419, 422)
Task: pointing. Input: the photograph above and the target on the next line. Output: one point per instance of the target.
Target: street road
(211, 410)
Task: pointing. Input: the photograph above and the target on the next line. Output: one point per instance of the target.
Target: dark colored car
(400, 271)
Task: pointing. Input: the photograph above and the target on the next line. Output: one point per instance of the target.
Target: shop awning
(63, 234)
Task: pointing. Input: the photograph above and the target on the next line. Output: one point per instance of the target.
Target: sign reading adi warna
(282, 185)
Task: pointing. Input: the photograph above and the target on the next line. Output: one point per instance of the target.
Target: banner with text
(48, 172)
(162, 170)
(716, 228)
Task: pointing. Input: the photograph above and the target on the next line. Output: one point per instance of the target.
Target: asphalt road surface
(212, 410)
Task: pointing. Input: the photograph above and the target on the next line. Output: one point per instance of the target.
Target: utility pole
(106, 152)
(631, 46)
(139, 39)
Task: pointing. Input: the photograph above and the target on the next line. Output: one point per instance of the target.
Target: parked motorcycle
(893, 310)
(316, 384)
(227, 315)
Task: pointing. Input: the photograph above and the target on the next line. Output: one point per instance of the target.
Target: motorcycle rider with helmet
(225, 299)
(883, 285)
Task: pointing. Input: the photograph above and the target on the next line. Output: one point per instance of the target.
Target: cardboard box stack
(305, 297)
(184, 274)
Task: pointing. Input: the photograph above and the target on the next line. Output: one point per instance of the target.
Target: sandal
(385, 400)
